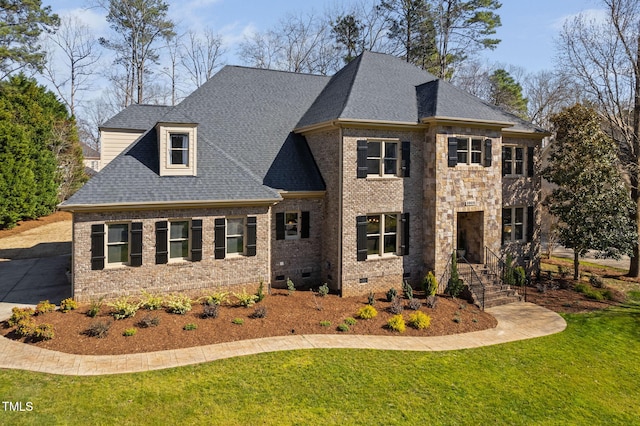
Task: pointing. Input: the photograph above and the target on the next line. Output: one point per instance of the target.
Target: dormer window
(177, 146)
(179, 150)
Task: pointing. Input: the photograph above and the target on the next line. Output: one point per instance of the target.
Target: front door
(470, 236)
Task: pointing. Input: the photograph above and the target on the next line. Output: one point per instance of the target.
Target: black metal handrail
(494, 264)
(471, 278)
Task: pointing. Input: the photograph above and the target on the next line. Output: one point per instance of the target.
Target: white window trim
(513, 224)
(382, 234)
(189, 239)
(298, 224)
(470, 152)
(511, 172)
(108, 264)
(381, 159)
(227, 235)
(164, 132)
(170, 149)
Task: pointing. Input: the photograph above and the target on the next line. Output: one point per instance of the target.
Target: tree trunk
(576, 265)
(634, 266)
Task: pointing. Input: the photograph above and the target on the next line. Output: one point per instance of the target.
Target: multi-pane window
(179, 149)
(118, 243)
(179, 239)
(291, 225)
(513, 160)
(469, 151)
(513, 224)
(382, 232)
(235, 235)
(382, 158)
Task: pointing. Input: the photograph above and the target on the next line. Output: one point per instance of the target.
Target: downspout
(340, 220)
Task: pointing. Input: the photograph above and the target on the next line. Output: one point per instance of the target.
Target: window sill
(115, 266)
(378, 257)
(385, 177)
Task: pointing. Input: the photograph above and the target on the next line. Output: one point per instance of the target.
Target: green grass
(587, 375)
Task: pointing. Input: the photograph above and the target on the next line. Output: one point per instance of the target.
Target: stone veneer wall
(381, 195)
(232, 273)
(293, 258)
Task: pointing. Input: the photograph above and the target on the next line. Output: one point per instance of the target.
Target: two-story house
(360, 180)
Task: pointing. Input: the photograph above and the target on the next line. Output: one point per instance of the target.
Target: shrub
(44, 307)
(430, 284)
(392, 294)
(217, 298)
(259, 312)
(407, 290)
(396, 323)
(149, 321)
(419, 320)
(291, 287)
(367, 312)
(123, 308)
(210, 311)
(350, 321)
(98, 329)
(178, 304)
(245, 299)
(457, 319)
(414, 304)
(190, 326)
(343, 327)
(431, 302)
(607, 294)
(563, 271)
(520, 276)
(455, 284)
(238, 321)
(18, 314)
(129, 332)
(152, 302)
(68, 304)
(371, 300)
(596, 281)
(26, 326)
(260, 294)
(94, 308)
(396, 306)
(323, 290)
(44, 332)
(325, 323)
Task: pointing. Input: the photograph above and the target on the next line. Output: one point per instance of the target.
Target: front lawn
(588, 374)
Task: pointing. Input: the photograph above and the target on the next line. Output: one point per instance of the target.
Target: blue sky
(527, 33)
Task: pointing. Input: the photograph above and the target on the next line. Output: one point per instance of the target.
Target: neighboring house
(361, 180)
(91, 159)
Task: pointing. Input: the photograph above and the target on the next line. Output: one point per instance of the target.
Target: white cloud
(94, 18)
(590, 15)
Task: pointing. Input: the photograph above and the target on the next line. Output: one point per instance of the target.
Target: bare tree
(201, 56)
(604, 57)
(75, 44)
(548, 93)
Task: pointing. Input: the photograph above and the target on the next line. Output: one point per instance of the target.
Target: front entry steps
(495, 292)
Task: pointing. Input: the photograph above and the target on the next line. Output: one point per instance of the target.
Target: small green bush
(98, 329)
(430, 284)
(68, 304)
(152, 302)
(291, 287)
(343, 327)
(371, 300)
(26, 326)
(520, 276)
(419, 320)
(44, 307)
(238, 321)
(44, 332)
(178, 304)
(590, 292)
(350, 321)
(260, 294)
(323, 290)
(216, 298)
(94, 308)
(129, 332)
(563, 271)
(149, 321)
(123, 308)
(18, 314)
(245, 299)
(210, 311)
(259, 312)
(392, 294)
(396, 323)
(190, 326)
(325, 323)
(407, 290)
(596, 281)
(367, 312)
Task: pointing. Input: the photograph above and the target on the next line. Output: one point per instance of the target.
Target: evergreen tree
(592, 201)
(346, 30)
(506, 93)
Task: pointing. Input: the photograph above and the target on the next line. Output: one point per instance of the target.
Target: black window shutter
(488, 156)
(252, 234)
(136, 244)
(502, 228)
(452, 152)
(406, 159)
(504, 168)
(361, 223)
(196, 240)
(530, 223)
(279, 226)
(362, 159)
(404, 219)
(220, 237)
(162, 253)
(530, 161)
(97, 247)
(304, 231)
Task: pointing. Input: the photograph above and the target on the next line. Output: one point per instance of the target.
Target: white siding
(113, 142)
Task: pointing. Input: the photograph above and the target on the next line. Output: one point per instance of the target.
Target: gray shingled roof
(136, 117)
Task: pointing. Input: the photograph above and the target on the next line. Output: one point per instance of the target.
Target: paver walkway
(516, 321)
